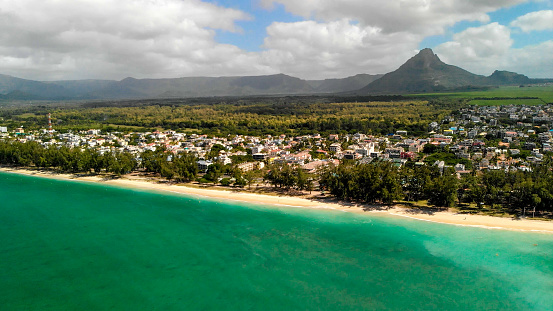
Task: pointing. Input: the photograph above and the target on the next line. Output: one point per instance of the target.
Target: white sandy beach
(243, 196)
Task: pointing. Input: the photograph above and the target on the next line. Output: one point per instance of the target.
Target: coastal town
(493, 159)
(471, 139)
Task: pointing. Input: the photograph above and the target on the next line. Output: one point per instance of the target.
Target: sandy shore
(242, 196)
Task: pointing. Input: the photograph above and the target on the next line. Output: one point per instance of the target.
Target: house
(408, 155)
(312, 167)
(394, 153)
(351, 155)
(203, 165)
(359, 136)
(259, 156)
(247, 166)
(224, 159)
(459, 167)
(336, 148)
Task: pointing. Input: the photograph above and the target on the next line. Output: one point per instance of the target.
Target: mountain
(83, 88)
(343, 85)
(16, 88)
(131, 88)
(279, 84)
(205, 86)
(425, 72)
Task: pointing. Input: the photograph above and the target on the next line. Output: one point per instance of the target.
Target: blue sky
(310, 39)
(255, 29)
(503, 16)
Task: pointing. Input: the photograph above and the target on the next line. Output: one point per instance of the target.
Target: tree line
(512, 191)
(65, 159)
(518, 192)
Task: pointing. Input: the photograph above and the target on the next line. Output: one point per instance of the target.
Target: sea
(67, 245)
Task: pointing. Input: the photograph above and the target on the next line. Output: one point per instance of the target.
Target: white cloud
(540, 20)
(423, 17)
(75, 39)
(536, 61)
(114, 39)
(335, 49)
(358, 36)
(484, 49)
(480, 49)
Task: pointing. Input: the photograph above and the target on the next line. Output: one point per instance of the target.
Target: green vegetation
(514, 192)
(286, 176)
(64, 159)
(367, 183)
(293, 116)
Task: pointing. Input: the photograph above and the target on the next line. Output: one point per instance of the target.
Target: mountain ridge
(424, 72)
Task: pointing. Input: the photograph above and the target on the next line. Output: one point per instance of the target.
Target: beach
(445, 217)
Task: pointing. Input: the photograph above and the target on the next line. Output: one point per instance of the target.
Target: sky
(309, 39)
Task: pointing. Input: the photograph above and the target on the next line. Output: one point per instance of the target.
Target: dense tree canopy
(273, 116)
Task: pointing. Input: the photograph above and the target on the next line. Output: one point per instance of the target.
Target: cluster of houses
(496, 137)
(491, 137)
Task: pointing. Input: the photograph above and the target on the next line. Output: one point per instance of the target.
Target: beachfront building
(204, 165)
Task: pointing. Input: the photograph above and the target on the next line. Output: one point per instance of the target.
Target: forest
(243, 116)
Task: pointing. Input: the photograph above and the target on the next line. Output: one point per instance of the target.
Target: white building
(336, 148)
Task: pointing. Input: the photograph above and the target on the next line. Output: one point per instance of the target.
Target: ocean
(68, 245)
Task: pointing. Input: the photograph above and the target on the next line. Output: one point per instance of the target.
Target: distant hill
(343, 85)
(131, 88)
(83, 88)
(205, 86)
(16, 88)
(508, 78)
(280, 84)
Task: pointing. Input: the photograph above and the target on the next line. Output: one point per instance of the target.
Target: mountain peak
(423, 60)
(426, 52)
(424, 72)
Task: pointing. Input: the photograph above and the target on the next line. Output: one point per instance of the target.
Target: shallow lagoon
(72, 245)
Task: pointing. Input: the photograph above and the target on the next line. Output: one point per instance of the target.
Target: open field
(531, 94)
(506, 102)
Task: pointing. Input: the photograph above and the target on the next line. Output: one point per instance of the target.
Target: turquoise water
(77, 246)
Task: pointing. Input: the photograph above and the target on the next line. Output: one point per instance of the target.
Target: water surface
(79, 246)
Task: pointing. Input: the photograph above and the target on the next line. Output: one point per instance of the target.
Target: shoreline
(443, 217)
